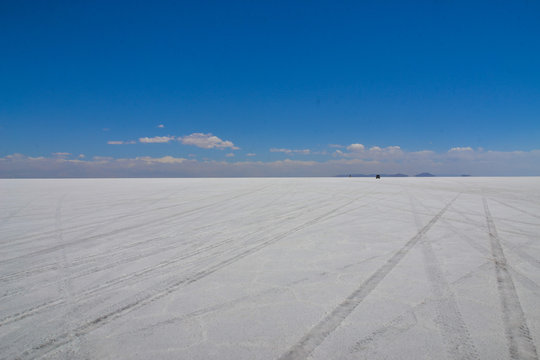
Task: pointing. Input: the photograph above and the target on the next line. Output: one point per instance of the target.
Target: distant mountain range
(424, 174)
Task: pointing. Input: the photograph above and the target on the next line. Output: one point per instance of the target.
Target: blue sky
(269, 88)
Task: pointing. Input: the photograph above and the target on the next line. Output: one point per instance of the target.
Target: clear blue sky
(426, 75)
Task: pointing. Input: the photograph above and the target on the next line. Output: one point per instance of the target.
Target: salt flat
(318, 268)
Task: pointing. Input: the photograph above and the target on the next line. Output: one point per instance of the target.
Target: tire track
(150, 297)
(158, 221)
(454, 331)
(97, 290)
(520, 342)
(390, 331)
(91, 228)
(14, 213)
(407, 320)
(516, 208)
(319, 332)
(525, 255)
(65, 283)
(145, 273)
(132, 215)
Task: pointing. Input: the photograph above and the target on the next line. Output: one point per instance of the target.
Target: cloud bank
(291, 151)
(390, 159)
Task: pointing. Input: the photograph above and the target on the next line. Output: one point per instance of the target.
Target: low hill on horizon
(372, 175)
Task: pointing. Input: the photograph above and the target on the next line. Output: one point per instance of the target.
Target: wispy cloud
(460, 149)
(292, 151)
(374, 152)
(251, 154)
(161, 126)
(162, 160)
(230, 155)
(61, 154)
(121, 142)
(156, 139)
(207, 141)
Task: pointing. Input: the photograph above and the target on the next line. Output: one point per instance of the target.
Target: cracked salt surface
(312, 268)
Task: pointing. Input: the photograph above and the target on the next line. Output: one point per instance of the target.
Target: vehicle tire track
(100, 223)
(150, 297)
(520, 342)
(406, 320)
(133, 215)
(65, 284)
(516, 208)
(319, 332)
(161, 220)
(14, 213)
(402, 323)
(142, 274)
(454, 331)
(388, 332)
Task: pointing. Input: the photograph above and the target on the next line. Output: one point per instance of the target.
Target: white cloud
(121, 142)
(422, 153)
(156, 139)
(461, 153)
(207, 141)
(291, 151)
(230, 155)
(103, 158)
(81, 156)
(392, 149)
(374, 152)
(251, 154)
(460, 149)
(355, 147)
(336, 146)
(61, 154)
(163, 160)
(161, 126)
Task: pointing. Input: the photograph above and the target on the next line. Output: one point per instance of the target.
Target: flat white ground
(317, 268)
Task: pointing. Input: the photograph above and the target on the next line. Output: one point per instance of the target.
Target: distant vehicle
(377, 176)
